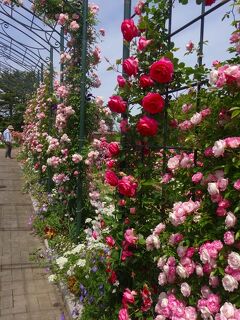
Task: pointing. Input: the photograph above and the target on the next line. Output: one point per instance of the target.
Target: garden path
(25, 293)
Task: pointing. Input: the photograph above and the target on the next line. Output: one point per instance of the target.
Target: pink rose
(128, 297)
(143, 43)
(197, 177)
(152, 242)
(111, 178)
(110, 241)
(74, 26)
(147, 126)
(232, 142)
(129, 30)
(124, 125)
(162, 71)
(175, 238)
(117, 104)
(130, 236)
(153, 103)
(237, 185)
(229, 238)
(130, 66)
(76, 158)
(145, 81)
(123, 314)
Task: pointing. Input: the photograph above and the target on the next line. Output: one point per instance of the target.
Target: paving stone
(25, 293)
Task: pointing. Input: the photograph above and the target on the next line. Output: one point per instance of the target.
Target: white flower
(219, 148)
(61, 262)
(78, 248)
(181, 271)
(52, 278)
(213, 189)
(81, 263)
(234, 260)
(196, 118)
(229, 283)
(227, 310)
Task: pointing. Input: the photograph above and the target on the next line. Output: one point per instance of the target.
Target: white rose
(234, 260)
(230, 220)
(204, 256)
(181, 271)
(219, 148)
(213, 76)
(229, 283)
(196, 118)
(213, 189)
(185, 289)
(227, 310)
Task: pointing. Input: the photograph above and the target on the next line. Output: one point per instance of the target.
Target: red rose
(129, 30)
(127, 186)
(209, 2)
(153, 103)
(130, 66)
(147, 126)
(117, 104)
(111, 178)
(145, 81)
(162, 71)
(110, 241)
(113, 148)
(121, 81)
(113, 277)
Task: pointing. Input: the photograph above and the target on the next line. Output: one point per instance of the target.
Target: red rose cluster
(209, 2)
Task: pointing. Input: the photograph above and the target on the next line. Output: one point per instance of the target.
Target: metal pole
(51, 68)
(80, 201)
(41, 72)
(61, 51)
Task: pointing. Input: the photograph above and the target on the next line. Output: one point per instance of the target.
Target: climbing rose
(111, 178)
(123, 314)
(145, 81)
(113, 148)
(143, 43)
(74, 26)
(237, 185)
(130, 66)
(197, 177)
(128, 297)
(153, 103)
(127, 186)
(110, 241)
(147, 126)
(209, 2)
(121, 81)
(117, 104)
(129, 30)
(162, 71)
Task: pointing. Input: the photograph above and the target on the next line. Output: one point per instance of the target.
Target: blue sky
(110, 18)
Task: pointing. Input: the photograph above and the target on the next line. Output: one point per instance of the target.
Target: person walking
(8, 139)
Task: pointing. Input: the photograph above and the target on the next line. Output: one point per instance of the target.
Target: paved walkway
(25, 293)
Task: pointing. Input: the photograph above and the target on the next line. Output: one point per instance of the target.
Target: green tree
(15, 89)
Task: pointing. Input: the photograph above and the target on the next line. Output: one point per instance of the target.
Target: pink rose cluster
(60, 178)
(195, 120)
(209, 305)
(225, 75)
(235, 39)
(221, 145)
(169, 307)
(129, 242)
(54, 161)
(231, 279)
(208, 253)
(53, 144)
(153, 240)
(182, 160)
(181, 210)
(62, 116)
